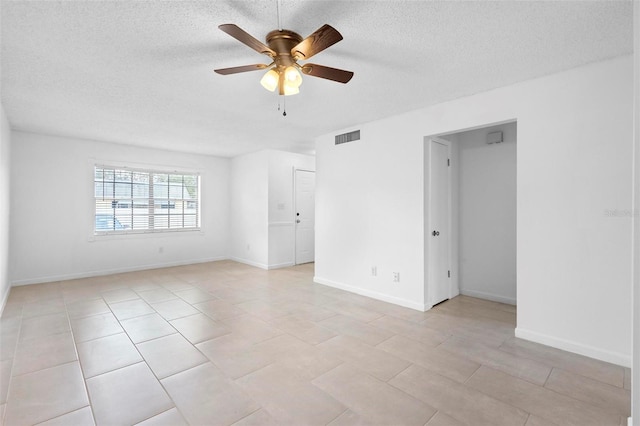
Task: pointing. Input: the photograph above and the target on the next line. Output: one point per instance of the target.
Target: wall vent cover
(348, 137)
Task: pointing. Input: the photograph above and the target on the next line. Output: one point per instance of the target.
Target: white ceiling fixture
(139, 73)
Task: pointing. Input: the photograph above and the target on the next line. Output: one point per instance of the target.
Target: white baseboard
(372, 294)
(262, 265)
(488, 296)
(575, 347)
(281, 265)
(249, 262)
(89, 274)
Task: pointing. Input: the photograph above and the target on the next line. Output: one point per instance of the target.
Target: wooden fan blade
(246, 38)
(244, 68)
(322, 38)
(335, 74)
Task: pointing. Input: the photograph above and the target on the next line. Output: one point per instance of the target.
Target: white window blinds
(135, 200)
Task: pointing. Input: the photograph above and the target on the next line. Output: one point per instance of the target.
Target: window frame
(158, 202)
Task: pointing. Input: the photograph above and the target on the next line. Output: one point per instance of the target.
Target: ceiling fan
(286, 48)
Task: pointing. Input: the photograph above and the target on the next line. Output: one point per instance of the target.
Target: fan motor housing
(282, 41)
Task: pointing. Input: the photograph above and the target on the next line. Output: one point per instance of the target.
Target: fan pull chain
(284, 106)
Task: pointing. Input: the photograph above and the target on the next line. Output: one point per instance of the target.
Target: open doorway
(482, 216)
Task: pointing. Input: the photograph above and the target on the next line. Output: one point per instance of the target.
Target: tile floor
(226, 344)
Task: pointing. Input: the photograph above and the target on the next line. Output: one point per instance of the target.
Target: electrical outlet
(374, 271)
(396, 277)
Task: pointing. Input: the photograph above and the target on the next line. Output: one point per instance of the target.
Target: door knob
(435, 233)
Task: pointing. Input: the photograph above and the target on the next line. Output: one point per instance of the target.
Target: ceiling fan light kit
(286, 48)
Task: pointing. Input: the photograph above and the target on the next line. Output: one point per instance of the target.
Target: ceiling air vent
(348, 137)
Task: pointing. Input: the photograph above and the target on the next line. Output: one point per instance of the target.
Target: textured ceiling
(141, 73)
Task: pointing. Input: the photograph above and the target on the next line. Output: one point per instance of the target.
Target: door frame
(293, 213)
(429, 225)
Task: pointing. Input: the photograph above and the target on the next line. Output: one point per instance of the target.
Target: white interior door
(439, 231)
(305, 183)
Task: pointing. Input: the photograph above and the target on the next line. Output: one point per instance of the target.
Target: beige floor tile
(373, 400)
(378, 363)
(305, 330)
(434, 359)
(257, 418)
(119, 295)
(81, 417)
(308, 361)
(194, 295)
(257, 356)
(238, 294)
(131, 309)
(170, 355)
(147, 327)
(309, 312)
(168, 418)
(288, 398)
(352, 310)
(5, 379)
(524, 368)
(225, 346)
(283, 348)
(588, 367)
(173, 309)
(199, 327)
(45, 325)
(94, 327)
(44, 307)
(459, 306)
(411, 329)
(627, 379)
(441, 419)
(465, 404)
(85, 308)
(252, 328)
(8, 344)
(607, 397)
(219, 309)
(45, 394)
(157, 295)
(540, 401)
(344, 325)
(205, 396)
(106, 354)
(177, 285)
(45, 352)
(128, 395)
(349, 418)
(539, 421)
(489, 332)
(261, 309)
(399, 312)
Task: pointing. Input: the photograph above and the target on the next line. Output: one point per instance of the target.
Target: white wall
(574, 146)
(281, 205)
(249, 186)
(5, 202)
(52, 211)
(635, 399)
(262, 223)
(487, 203)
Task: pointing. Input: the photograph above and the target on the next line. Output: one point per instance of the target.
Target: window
(134, 200)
